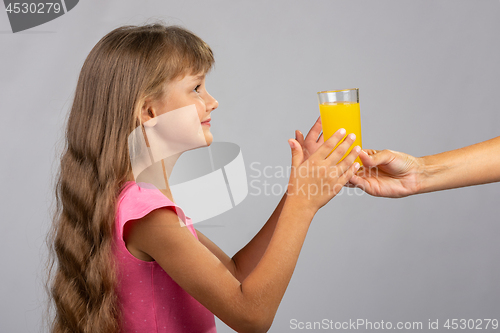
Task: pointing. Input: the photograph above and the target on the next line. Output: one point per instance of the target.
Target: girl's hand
(315, 181)
(311, 143)
(388, 173)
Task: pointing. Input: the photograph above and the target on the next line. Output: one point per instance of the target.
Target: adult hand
(311, 142)
(388, 173)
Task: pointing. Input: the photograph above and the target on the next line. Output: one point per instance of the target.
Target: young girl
(124, 262)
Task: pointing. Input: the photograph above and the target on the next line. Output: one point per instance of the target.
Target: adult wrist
(429, 174)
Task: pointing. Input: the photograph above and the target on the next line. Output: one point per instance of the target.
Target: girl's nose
(212, 103)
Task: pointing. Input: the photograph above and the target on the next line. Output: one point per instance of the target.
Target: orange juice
(337, 115)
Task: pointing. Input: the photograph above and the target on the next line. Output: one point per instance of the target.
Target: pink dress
(150, 301)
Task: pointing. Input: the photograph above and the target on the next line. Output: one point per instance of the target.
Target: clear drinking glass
(340, 109)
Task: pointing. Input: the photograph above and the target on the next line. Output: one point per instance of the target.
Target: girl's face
(185, 91)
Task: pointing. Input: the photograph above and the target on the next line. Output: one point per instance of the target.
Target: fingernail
(300, 133)
(342, 131)
(357, 149)
(291, 144)
(352, 136)
(356, 165)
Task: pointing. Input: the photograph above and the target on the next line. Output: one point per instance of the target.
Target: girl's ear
(151, 122)
(148, 116)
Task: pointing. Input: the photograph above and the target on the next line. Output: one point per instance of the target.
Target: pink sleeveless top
(150, 301)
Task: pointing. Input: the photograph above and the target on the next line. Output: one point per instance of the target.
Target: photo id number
(33, 8)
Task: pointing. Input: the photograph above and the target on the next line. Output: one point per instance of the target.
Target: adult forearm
(471, 165)
(266, 284)
(249, 256)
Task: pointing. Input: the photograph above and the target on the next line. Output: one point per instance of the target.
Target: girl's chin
(209, 138)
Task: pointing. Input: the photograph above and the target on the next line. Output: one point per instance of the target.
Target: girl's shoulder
(136, 200)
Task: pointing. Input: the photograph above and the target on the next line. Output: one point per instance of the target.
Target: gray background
(428, 74)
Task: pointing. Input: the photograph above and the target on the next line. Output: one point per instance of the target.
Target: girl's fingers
(300, 137)
(315, 130)
(340, 151)
(321, 139)
(347, 176)
(326, 148)
(349, 159)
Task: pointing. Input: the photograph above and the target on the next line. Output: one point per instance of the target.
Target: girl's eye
(197, 87)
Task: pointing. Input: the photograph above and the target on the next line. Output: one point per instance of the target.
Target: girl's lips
(206, 123)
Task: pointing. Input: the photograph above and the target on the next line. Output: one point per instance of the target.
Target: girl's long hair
(127, 66)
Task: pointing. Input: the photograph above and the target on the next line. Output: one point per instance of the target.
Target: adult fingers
(349, 184)
(370, 151)
(359, 182)
(373, 158)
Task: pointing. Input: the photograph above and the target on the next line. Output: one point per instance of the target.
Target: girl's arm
(247, 306)
(248, 257)
(250, 305)
(243, 262)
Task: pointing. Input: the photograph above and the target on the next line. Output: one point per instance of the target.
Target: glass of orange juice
(340, 109)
